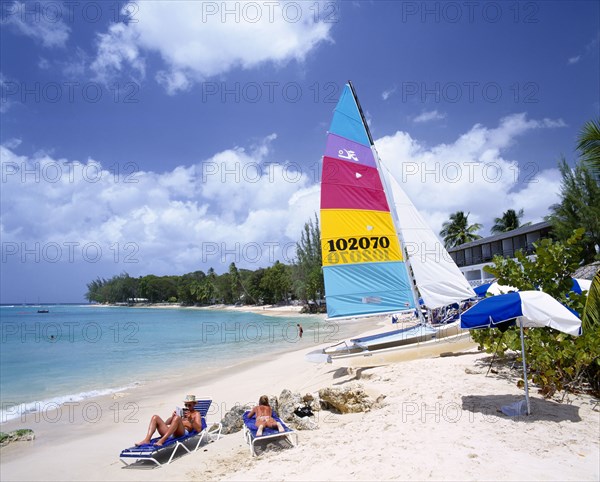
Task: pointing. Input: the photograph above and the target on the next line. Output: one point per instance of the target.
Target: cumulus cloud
(189, 218)
(47, 27)
(472, 173)
(197, 40)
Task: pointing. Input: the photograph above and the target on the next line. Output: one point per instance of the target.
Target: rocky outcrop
(288, 403)
(232, 421)
(350, 399)
(22, 435)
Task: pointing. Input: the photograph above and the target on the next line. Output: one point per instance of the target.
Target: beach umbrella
(529, 309)
(580, 285)
(493, 288)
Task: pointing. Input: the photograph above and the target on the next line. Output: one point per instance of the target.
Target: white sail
(437, 277)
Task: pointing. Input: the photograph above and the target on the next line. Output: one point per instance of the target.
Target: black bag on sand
(303, 412)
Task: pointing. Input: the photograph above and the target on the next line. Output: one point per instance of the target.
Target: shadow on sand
(541, 409)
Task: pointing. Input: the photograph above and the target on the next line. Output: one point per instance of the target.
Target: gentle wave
(22, 409)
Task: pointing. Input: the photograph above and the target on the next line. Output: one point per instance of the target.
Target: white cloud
(429, 116)
(472, 173)
(192, 217)
(590, 48)
(198, 40)
(385, 95)
(117, 48)
(48, 28)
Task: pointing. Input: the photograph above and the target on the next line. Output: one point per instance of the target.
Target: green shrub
(557, 361)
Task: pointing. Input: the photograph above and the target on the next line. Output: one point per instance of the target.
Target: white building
(472, 257)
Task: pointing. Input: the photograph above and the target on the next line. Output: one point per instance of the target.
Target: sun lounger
(190, 442)
(250, 429)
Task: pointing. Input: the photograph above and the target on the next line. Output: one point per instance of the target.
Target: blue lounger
(151, 452)
(250, 429)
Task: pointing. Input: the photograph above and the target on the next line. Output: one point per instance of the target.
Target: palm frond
(591, 314)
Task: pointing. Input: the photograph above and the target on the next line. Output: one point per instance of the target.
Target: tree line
(302, 280)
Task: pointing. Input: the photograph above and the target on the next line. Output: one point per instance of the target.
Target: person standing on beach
(300, 330)
(176, 425)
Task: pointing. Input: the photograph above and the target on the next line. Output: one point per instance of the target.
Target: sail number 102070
(343, 244)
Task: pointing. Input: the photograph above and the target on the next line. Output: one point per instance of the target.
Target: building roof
(498, 237)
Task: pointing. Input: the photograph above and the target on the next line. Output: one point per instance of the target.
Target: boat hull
(392, 348)
(385, 356)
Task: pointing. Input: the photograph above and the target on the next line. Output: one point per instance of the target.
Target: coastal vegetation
(301, 280)
(579, 206)
(457, 231)
(557, 361)
(510, 220)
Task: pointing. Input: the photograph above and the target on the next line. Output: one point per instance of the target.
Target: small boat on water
(43, 311)
(378, 253)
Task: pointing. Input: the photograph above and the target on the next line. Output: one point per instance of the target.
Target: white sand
(437, 422)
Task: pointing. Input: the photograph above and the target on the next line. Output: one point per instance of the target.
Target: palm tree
(457, 231)
(510, 220)
(589, 145)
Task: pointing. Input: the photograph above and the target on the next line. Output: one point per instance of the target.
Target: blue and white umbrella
(493, 288)
(529, 309)
(580, 285)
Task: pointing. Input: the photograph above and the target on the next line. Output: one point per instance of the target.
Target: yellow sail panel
(352, 236)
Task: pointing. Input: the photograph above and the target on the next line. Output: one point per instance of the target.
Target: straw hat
(190, 399)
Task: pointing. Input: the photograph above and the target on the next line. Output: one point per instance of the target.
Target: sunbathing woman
(175, 425)
(263, 414)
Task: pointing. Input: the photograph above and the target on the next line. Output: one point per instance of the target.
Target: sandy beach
(436, 419)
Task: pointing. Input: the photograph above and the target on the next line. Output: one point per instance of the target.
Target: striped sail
(363, 265)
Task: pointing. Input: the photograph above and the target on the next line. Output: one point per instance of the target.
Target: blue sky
(166, 137)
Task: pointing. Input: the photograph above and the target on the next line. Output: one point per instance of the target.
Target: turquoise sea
(76, 352)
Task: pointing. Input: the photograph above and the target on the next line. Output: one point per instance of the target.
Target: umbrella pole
(524, 367)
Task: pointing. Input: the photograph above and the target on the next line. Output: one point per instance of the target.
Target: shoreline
(440, 413)
(267, 310)
(314, 334)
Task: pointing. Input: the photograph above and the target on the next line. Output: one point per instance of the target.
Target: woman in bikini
(264, 418)
(175, 425)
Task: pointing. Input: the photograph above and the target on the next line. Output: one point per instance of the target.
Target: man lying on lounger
(263, 414)
(176, 425)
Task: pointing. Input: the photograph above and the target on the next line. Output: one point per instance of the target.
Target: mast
(391, 205)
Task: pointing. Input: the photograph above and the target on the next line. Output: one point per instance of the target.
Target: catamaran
(378, 250)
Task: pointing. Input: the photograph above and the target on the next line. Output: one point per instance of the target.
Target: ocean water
(78, 352)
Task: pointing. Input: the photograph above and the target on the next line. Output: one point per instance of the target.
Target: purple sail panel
(347, 150)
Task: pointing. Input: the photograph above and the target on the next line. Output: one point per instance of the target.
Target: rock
(232, 421)
(288, 402)
(22, 435)
(315, 403)
(305, 423)
(350, 399)
(274, 403)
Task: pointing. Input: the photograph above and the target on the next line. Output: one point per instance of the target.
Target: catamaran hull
(395, 338)
(431, 348)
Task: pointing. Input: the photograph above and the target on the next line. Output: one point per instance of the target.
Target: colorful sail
(363, 265)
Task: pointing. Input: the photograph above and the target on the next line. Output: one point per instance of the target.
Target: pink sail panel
(349, 174)
(345, 149)
(348, 186)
